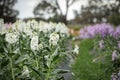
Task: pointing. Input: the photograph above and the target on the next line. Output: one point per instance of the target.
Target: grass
(84, 67)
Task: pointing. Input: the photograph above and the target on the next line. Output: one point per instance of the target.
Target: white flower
(33, 24)
(27, 30)
(54, 38)
(76, 49)
(46, 27)
(46, 57)
(19, 25)
(43, 26)
(2, 27)
(101, 44)
(114, 55)
(62, 29)
(40, 46)
(3, 30)
(25, 72)
(11, 38)
(34, 43)
(119, 74)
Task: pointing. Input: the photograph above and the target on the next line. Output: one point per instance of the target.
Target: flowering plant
(106, 45)
(32, 50)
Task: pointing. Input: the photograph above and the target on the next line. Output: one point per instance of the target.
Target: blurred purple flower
(84, 34)
(116, 32)
(91, 31)
(114, 76)
(103, 30)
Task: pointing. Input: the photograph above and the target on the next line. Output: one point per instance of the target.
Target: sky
(25, 7)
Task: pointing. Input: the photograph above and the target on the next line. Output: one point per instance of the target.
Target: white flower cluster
(54, 38)
(11, 38)
(115, 55)
(62, 29)
(41, 46)
(40, 41)
(29, 27)
(76, 49)
(25, 72)
(2, 29)
(34, 43)
(32, 30)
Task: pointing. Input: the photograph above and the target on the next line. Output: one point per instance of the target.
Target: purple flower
(91, 31)
(114, 76)
(84, 33)
(103, 30)
(116, 32)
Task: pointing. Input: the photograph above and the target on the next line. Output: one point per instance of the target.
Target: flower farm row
(33, 50)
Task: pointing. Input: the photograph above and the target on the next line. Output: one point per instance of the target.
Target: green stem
(37, 63)
(11, 63)
(36, 60)
(48, 75)
(49, 71)
(12, 72)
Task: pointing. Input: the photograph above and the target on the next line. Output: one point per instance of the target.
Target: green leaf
(60, 71)
(38, 72)
(55, 55)
(55, 58)
(5, 49)
(45, 63)
(4, 62)
(22, 58)
(60, 78)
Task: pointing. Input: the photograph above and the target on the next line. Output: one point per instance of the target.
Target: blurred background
(74, 13)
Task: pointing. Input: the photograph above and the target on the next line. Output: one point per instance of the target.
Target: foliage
(32, 50)
(97, 11)
(53, 9)
(6, 10)
(105, 49)
(85, 68)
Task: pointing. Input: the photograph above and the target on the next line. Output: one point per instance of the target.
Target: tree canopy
(6, 10)
(52, 9)
(97, 11)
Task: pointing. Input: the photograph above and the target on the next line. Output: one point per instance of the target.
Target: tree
(101, 11)
(53, 9)
(6, 10)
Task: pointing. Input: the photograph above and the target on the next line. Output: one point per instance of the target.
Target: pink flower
(8, 25)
